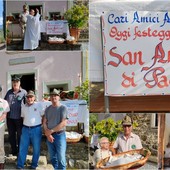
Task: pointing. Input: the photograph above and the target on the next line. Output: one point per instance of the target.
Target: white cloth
(32, 33)
(123, 145)
(32, 114)
(4, 108)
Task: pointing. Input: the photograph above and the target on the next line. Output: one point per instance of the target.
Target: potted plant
(8, 39)
(109, 128)
(8, 35)
(83, 91)
(77, 18)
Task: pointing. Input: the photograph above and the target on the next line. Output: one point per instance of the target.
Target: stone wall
(76, 154)
(147, 134)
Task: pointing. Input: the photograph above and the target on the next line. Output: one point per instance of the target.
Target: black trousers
(14, 132)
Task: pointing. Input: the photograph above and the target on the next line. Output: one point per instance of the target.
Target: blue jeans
(29, 136)
(57, 151)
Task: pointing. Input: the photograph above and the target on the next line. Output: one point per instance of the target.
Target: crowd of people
(25, 119)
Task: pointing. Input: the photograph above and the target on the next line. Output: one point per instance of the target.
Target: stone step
(76, 155)
(13, 167)
(44, 150)
(13, 159)
(10, 163)
(44, 45)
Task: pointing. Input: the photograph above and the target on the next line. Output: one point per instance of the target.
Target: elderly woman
(103, 151)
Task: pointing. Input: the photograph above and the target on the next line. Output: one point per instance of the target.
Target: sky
(1, 9)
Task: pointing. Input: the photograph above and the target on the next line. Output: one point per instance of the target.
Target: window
(39, 7)
(16, 16)
(54, 16)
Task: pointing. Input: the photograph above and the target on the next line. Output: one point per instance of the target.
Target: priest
(32, 34)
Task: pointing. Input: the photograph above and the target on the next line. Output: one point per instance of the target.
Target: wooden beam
(161, 130)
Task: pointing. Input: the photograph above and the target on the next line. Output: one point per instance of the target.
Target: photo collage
(85, 84)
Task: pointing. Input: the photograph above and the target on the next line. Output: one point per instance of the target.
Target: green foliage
(92, 122)
(7, 33)
(46, 95)
(109, 128)
(2, 40)
(83, 91)
(77, 16)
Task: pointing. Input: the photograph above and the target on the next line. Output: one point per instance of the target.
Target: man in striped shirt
(4, 108)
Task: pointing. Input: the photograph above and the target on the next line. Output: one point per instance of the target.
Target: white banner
(55, 27)
(72, 113)
(77, 112)
(136, 52)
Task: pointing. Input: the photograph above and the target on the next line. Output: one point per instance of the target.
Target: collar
(29, 105)
(18, 91)
(131, 135)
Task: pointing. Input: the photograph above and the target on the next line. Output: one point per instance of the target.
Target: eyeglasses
(104, 143)
(126, 126)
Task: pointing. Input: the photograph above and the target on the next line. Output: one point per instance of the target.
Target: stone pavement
(43, 165)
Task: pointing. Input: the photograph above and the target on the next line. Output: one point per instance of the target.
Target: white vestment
(32, 33)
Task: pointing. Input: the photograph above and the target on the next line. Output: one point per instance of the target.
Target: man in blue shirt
(15, 97)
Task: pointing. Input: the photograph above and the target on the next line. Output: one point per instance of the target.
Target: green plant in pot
(83, 91)
(109, 128)
(77, 18)
(8, 39)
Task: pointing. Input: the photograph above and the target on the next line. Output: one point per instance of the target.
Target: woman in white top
(103, 151)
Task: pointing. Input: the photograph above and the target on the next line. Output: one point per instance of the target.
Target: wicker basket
(73, 140)
(55, 42)
(71, 42)
(136, 164)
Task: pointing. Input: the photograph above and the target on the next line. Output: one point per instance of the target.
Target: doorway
(39, 7)
(28, 82)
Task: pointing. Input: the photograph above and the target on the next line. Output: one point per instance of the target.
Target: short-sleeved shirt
(32, 115)
(15, 101)
(55, 115)
(4, 108)
(123, 145)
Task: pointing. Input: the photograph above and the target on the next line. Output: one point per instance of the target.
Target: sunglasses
(127, 126)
